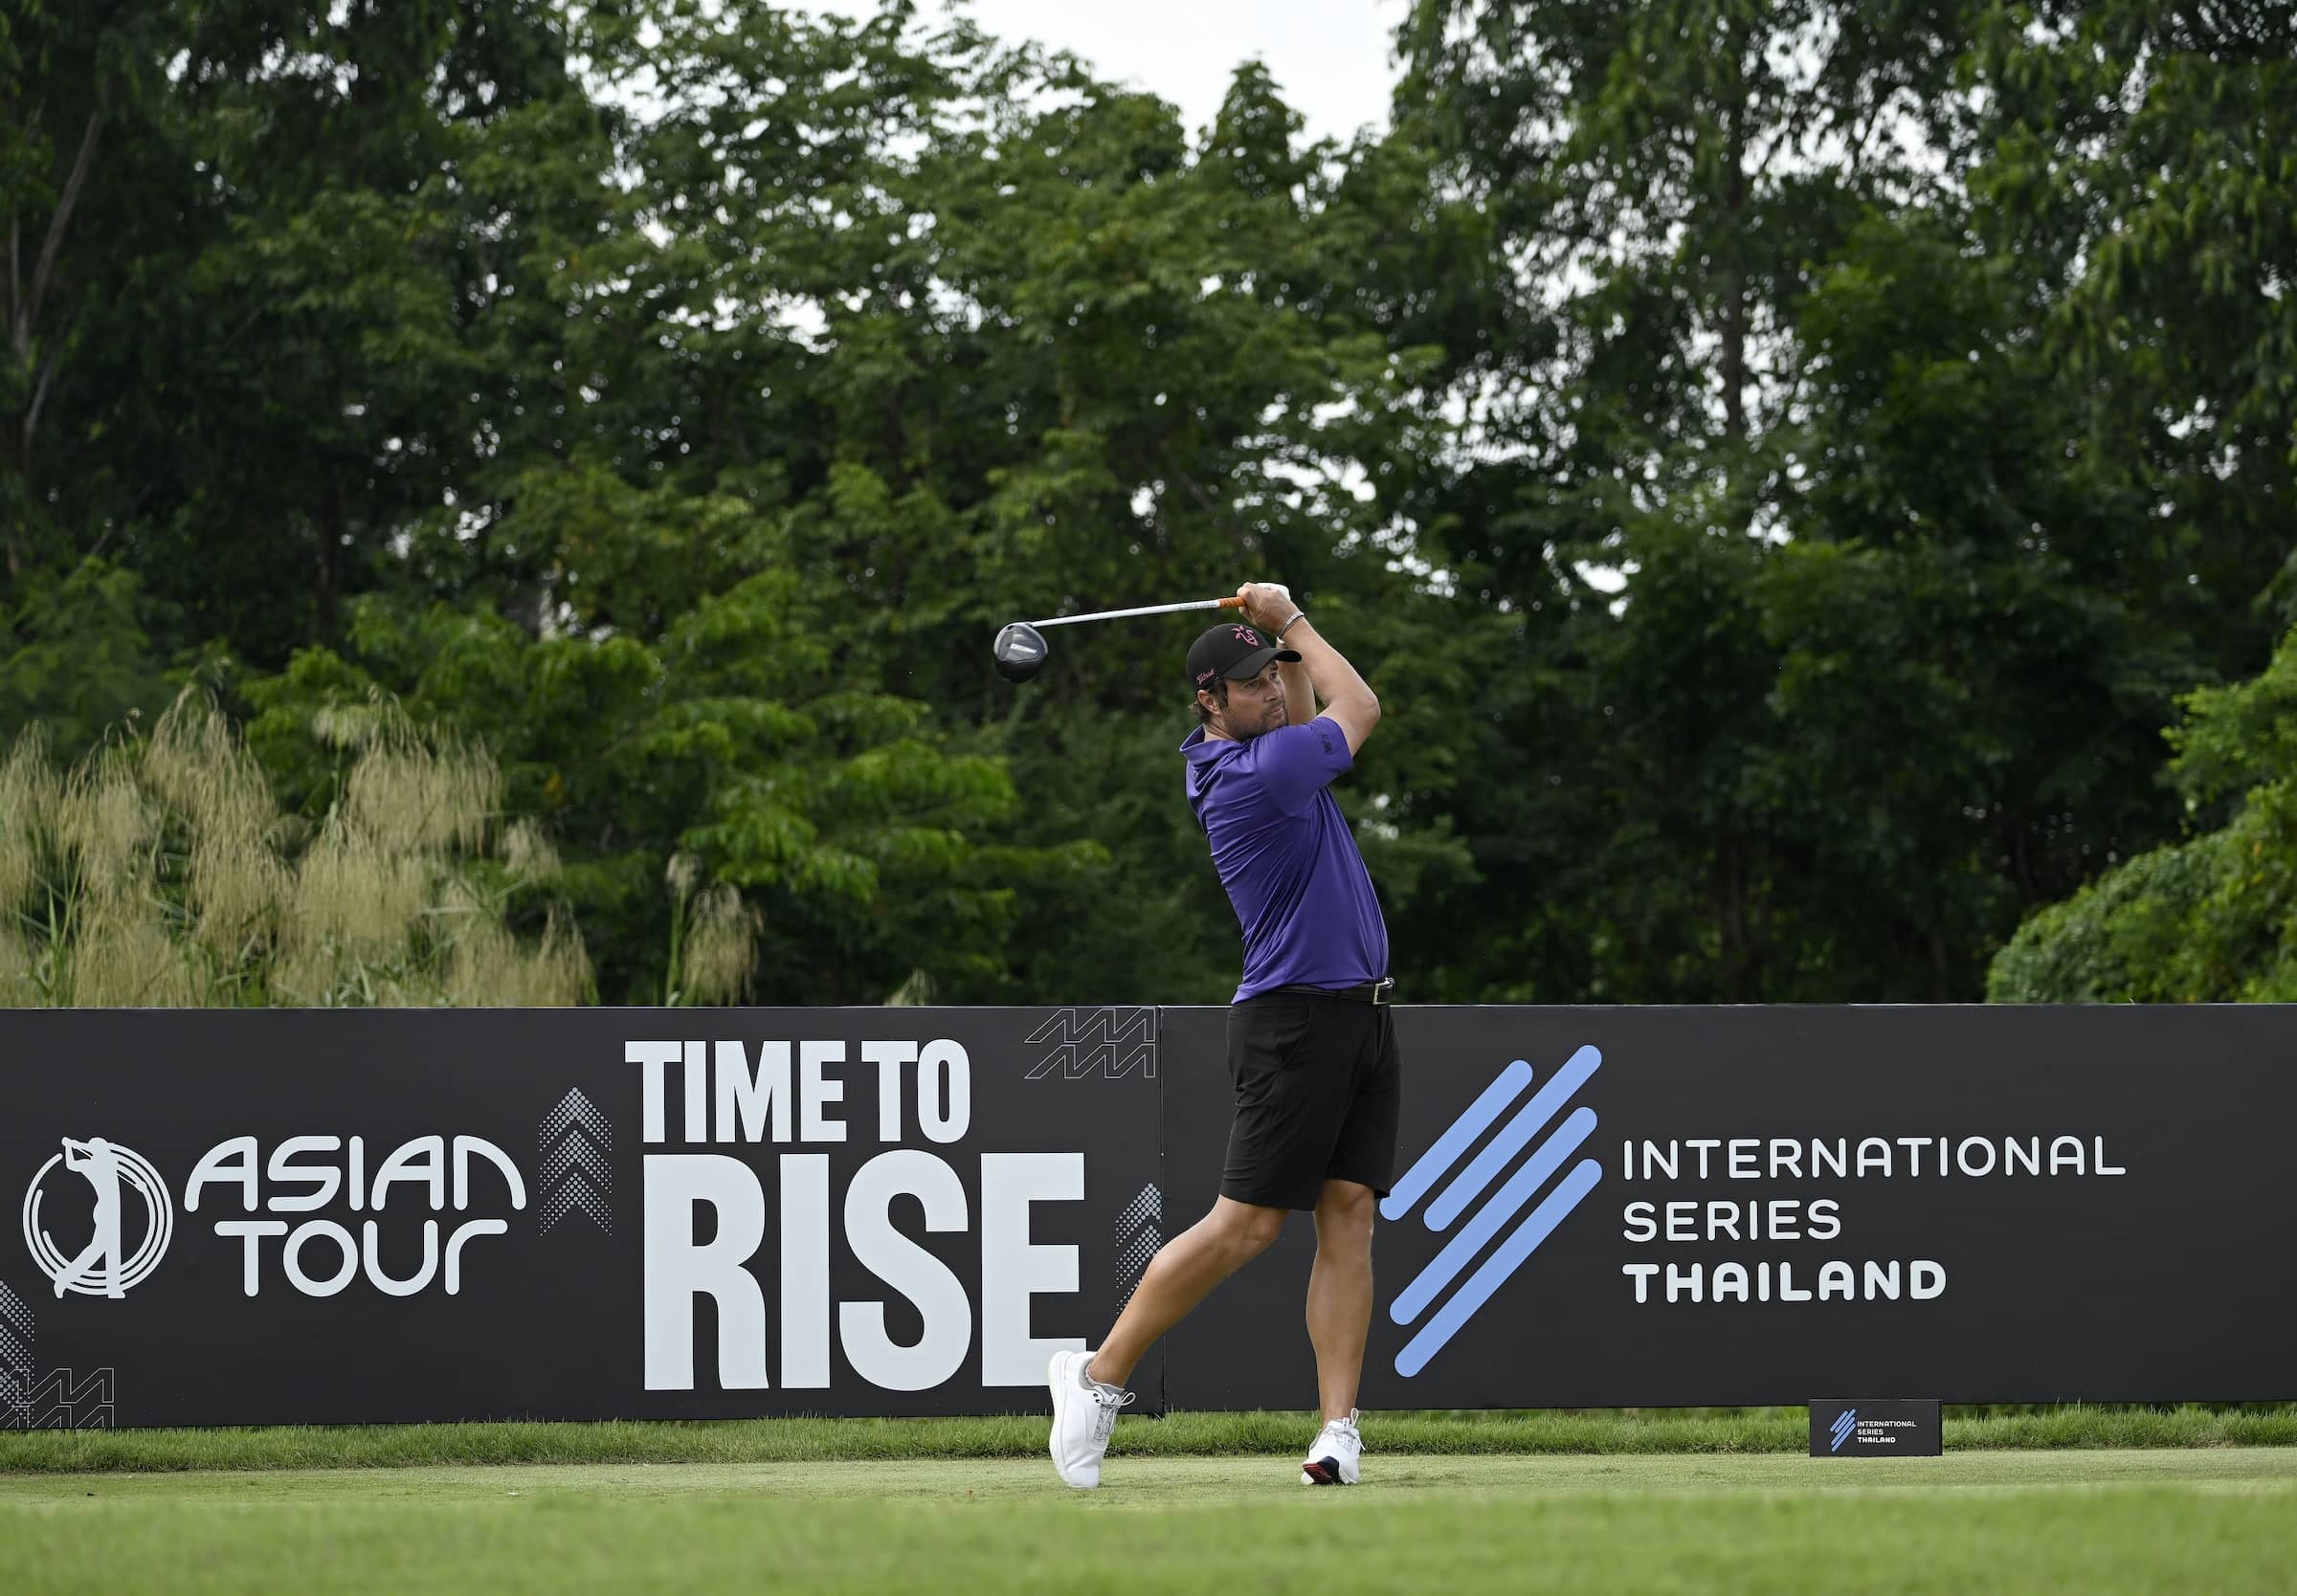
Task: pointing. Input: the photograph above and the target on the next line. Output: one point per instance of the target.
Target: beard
(1269, 720)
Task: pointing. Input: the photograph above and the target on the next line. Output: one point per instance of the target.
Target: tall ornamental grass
(160, 873)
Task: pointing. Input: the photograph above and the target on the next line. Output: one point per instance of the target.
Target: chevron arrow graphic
(576, 1152)
(576, 1176)
(577, 1195)
(576, 1109)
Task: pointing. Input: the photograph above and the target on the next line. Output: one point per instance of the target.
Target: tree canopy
(1782, 463)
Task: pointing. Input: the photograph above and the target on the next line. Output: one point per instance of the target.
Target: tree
(283, 324)
(2137, 155)
(2211, 917)
(961, 337)
(85, 171)
(1777, 462)
(736, 752)
(76, 655)
(1839, 647)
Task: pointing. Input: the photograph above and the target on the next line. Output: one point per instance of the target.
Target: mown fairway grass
(2216, 1520)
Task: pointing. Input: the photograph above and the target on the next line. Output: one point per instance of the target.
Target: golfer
(1311, 1040)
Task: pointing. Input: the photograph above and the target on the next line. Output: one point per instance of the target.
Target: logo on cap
(1248, 637)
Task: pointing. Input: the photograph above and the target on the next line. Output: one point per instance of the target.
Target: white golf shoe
(1335, 1457)
(1084, 1415)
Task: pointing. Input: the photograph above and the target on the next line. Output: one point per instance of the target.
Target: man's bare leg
(1182, 1275)
(1340, 1294)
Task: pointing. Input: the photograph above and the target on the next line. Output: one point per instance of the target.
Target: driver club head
(1020, 651)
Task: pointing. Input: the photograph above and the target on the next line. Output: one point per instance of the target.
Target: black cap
(1235, 650)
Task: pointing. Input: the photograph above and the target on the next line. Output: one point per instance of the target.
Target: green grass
(2217, 1520)
(1609, 1432)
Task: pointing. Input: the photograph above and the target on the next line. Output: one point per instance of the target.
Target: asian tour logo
(1845, 1423)
(1470, 1183)
(104, 1267)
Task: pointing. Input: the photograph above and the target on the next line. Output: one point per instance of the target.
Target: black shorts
(1318, 1088)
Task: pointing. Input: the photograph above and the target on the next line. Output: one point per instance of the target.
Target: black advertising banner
(365, 1216)
(368, 1216)
(1683, 1207)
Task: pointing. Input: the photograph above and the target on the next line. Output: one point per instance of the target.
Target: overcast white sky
(1328, 56)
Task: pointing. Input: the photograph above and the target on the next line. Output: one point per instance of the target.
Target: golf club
(1020, 647)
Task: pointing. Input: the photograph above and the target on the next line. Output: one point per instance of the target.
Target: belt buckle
(1379, 990)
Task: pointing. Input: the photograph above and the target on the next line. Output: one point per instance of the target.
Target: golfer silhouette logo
(104, 1267)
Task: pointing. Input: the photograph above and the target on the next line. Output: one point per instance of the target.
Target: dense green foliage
(2209, 919)
(1780, 461)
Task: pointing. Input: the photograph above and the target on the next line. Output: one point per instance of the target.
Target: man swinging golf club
(1311, 1040)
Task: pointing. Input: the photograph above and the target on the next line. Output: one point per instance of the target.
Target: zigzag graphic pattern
(574, 1139)
(1105, 1042)
(1139, 1234)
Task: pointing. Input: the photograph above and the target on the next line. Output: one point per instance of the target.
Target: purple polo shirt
(1287, 857)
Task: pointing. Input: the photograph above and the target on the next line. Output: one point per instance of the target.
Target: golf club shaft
(1231, 603)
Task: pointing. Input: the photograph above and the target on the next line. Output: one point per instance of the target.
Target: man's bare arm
(1300, 691)
(1351, 701)
(1348, 700)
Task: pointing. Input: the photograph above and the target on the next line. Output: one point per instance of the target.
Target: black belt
(1370, 991)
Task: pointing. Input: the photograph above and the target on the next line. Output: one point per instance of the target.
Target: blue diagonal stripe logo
(1515, 1192)
(1845, 1423)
